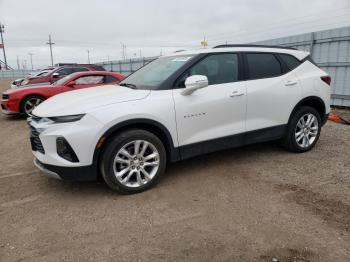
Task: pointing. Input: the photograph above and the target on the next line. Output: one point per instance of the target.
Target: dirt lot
(254, 203)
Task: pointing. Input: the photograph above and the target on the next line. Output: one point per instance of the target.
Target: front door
(216, 111)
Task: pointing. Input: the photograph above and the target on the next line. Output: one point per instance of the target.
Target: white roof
(297, 53)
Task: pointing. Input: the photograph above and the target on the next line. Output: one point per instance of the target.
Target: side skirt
(251, 137)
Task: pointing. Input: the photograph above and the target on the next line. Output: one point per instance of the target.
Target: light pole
(31, 59)
(2, 30)
(88, 52)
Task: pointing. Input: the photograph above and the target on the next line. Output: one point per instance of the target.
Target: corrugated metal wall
(128, 66)
(330, 49)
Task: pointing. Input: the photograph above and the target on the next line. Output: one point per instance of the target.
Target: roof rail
(264, 46)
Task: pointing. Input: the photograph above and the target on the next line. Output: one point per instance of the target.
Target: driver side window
(89, 80)
(218, 68)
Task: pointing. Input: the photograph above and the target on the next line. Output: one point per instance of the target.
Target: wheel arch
(20, 104)
(149, 125)
(314, 102)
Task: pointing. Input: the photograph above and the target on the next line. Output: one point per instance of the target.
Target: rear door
(272, 91)
(217, 110)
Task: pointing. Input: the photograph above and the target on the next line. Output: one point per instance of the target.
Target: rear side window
(290, 61)
(89, 80)
(263, 65)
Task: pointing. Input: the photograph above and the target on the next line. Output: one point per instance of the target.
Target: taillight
(326, 79)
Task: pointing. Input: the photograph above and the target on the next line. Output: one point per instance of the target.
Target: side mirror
(193, 83)
(71, 84)
(55, 75)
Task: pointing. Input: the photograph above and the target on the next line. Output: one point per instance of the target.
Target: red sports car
(24, 100)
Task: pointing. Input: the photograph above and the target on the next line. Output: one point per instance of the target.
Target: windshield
(152, 75)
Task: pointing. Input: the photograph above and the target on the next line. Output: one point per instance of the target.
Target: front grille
(5, 96)
(35, 140)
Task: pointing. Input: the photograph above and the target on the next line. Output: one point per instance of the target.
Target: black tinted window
(263, 65)
(65, 71)
(110, 79)
(219, 69)
(80, 69)
(290, 61)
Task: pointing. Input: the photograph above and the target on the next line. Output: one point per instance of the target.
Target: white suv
(180, 106)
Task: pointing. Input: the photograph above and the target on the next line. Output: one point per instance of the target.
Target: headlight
(23, 83)
(65, 119)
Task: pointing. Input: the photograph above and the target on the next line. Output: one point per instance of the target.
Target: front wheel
(304, 130)
(29, 103)
(133, 161)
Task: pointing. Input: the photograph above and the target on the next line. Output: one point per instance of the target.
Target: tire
(303, 137)
(33, 100)
(125, 174)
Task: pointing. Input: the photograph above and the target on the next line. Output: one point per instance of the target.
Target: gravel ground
(256, 203)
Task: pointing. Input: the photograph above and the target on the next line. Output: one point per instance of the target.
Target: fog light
(65, 151)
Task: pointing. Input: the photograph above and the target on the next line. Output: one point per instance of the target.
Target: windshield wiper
(132, 86)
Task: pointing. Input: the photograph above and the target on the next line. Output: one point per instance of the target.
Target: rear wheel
(133, 161)
(303, 130)
(29, 103)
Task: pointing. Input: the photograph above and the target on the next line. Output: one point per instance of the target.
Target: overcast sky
(153, 26)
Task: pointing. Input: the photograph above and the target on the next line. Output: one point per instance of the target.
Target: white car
(180, 106)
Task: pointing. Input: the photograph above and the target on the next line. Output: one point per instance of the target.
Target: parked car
(24, 100)
(17, 83)
(60, 72)
(180, 106)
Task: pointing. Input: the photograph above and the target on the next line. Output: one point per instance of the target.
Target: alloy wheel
(136, 163)
(306, 130)
(30, 104)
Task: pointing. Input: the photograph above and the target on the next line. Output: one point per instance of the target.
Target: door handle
(290, 83)
(236, 93)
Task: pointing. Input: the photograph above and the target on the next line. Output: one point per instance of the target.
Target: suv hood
(84, 100)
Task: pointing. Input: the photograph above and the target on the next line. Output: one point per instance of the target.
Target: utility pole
(123, 51)
(2, 30)
(18, 64)
(50, 43)
(88, 52)
(31, 59)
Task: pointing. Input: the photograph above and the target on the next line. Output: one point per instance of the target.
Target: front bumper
(9, 108)
(80, 173)
(82, 136)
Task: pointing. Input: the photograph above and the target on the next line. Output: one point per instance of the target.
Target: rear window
(262, 65)
(290, 61)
